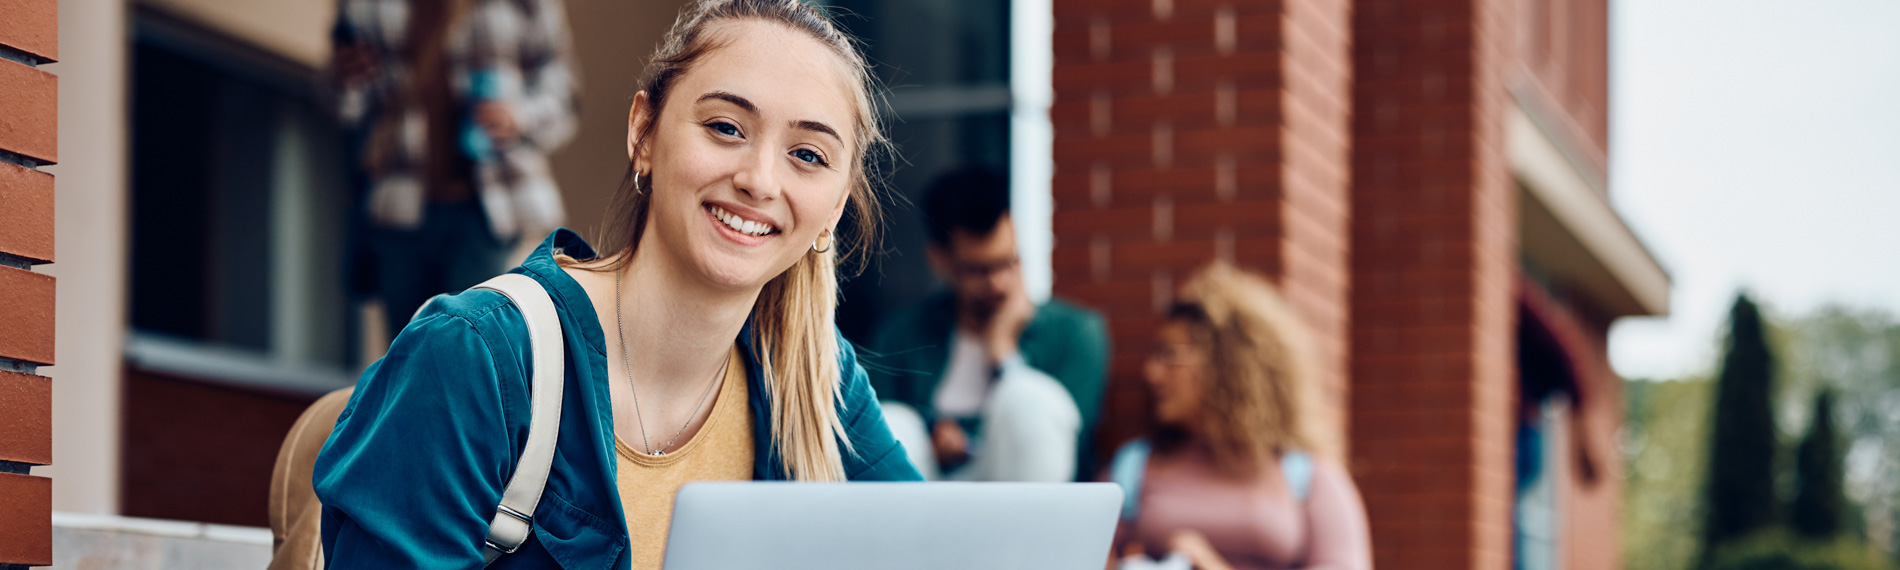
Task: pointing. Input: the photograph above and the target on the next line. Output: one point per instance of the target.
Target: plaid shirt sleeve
(350, 103)
(363, 25)
(546, 110)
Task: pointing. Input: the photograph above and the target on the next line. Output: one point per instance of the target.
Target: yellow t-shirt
(720, 451)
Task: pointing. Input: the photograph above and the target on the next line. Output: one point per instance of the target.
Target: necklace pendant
(659, 453)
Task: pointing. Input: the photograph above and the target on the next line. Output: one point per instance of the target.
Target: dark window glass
(946, 63)
(238, 199)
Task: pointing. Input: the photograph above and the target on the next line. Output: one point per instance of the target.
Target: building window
(1547, 385)
(947, 65)
(239, 203)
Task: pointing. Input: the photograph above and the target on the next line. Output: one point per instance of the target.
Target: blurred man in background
(453, 106)
(980, 382)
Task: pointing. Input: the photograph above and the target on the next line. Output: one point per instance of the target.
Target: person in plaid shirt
(453, 106)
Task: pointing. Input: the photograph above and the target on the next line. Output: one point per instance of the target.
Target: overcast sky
(1755, 145)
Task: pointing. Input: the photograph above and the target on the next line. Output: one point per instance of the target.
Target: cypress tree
(1820, 504)
(1740, 496)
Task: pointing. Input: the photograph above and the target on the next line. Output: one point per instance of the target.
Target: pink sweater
(1253, 524)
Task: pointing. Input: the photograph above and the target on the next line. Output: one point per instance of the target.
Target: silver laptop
(862, 526)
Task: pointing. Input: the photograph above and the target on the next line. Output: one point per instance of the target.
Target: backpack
(296, 514)
(1131, 465)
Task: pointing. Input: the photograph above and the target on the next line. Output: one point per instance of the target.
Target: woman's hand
(1198, 550)
(950, 443)
(1133, 549)
(498, 121)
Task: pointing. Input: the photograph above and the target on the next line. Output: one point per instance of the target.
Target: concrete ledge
(109, 542)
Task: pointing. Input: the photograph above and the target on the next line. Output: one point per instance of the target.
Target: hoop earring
(824, 238)
(639, 188)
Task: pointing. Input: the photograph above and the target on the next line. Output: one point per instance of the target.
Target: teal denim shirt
(418, 461)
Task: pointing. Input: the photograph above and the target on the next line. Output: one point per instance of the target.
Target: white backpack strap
(1297, 467)
(514, 518)
(1129, 467)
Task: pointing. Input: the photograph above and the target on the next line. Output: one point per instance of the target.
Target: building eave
(1570, 229)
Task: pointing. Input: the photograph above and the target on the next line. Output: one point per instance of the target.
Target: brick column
(28, 139)
(1193, 130)
(1435, 255)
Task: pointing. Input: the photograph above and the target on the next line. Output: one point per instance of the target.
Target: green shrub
(1740, 498)
(1820, 504)
(1776, 550)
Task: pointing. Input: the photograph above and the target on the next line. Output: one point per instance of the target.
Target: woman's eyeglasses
(1174, 355)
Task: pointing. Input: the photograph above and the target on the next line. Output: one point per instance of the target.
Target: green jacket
(419, 458)
(909, 352)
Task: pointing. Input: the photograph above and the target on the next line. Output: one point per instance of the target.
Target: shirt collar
(573, 301)
(567, 293)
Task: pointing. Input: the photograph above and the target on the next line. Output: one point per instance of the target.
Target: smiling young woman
(700, 340)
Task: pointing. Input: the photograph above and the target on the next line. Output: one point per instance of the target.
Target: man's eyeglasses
(973, 271)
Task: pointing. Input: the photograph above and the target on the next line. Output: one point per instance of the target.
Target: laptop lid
(854, 526)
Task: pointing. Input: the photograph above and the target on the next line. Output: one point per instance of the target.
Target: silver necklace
(621, 324)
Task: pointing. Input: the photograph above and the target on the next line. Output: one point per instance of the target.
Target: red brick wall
(28, 139)
(200, 451)
(1593, 510)
(1563, 47)
(1194, 130)
(1590, 485)
(1316, 103)
(1434, 263)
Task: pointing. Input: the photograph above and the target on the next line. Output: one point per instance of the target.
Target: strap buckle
(497, 548)
(525, 520)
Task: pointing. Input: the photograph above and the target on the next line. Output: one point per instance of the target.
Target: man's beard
(980, 310)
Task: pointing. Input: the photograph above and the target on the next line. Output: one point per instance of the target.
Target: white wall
(1032, 140)
(90, 255)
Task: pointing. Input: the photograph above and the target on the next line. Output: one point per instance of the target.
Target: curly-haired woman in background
(1239, 471)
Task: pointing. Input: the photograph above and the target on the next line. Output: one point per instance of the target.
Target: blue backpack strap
(1297, 467)
(1130, 464)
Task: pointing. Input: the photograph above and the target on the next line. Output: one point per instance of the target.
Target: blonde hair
(1259, 397)
(793, 329)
